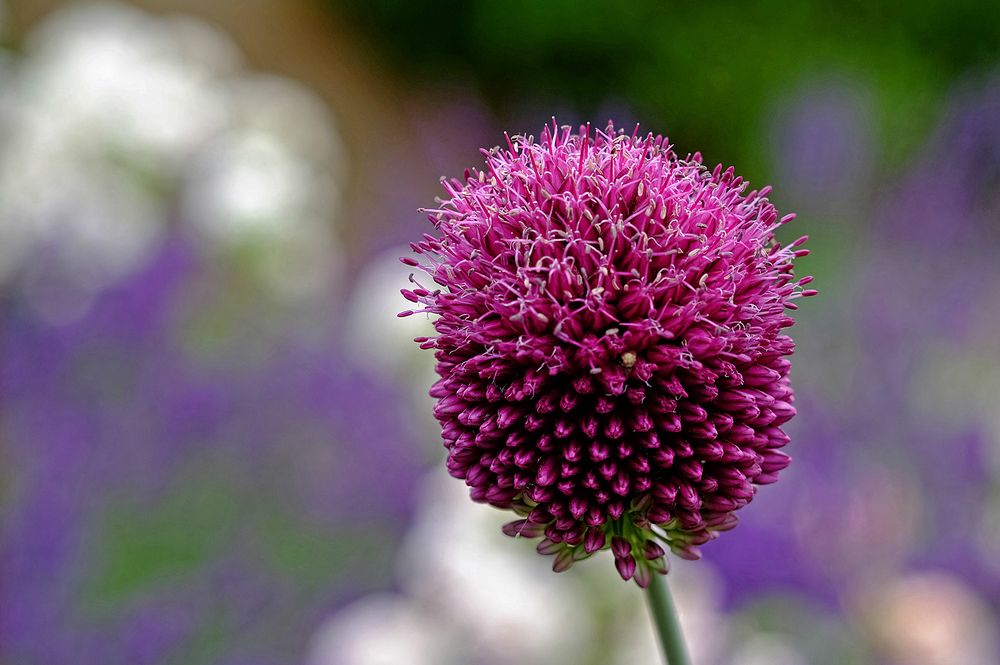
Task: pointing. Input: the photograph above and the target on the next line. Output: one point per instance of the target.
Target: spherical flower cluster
(609, 342)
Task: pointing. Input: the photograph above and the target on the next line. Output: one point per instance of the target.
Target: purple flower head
(609, 342)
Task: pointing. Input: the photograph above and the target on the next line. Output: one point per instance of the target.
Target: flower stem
(665, 618)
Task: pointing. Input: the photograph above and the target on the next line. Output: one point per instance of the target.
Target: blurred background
(215, 437)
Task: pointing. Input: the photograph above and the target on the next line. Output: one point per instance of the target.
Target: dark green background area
(709, 74)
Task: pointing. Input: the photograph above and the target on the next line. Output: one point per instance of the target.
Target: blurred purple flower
(949, 198)
(933, 245)
(938, 232)
(823, 141)
(118, 438)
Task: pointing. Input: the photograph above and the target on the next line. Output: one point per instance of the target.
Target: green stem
(665, 618)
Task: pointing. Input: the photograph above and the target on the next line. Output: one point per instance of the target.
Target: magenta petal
(626, 567)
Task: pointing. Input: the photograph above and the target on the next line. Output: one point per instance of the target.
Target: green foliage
(216, 518)
(707, 72)
(145, 547)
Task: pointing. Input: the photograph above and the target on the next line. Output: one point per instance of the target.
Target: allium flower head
(609, 342)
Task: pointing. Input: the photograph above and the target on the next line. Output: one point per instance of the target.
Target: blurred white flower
(376, 335)
(503, 595)
(931, 619)
(115, 122)
(381, 629)
(99, 111)
(470, 590)
(268, 183)
(475, 596)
